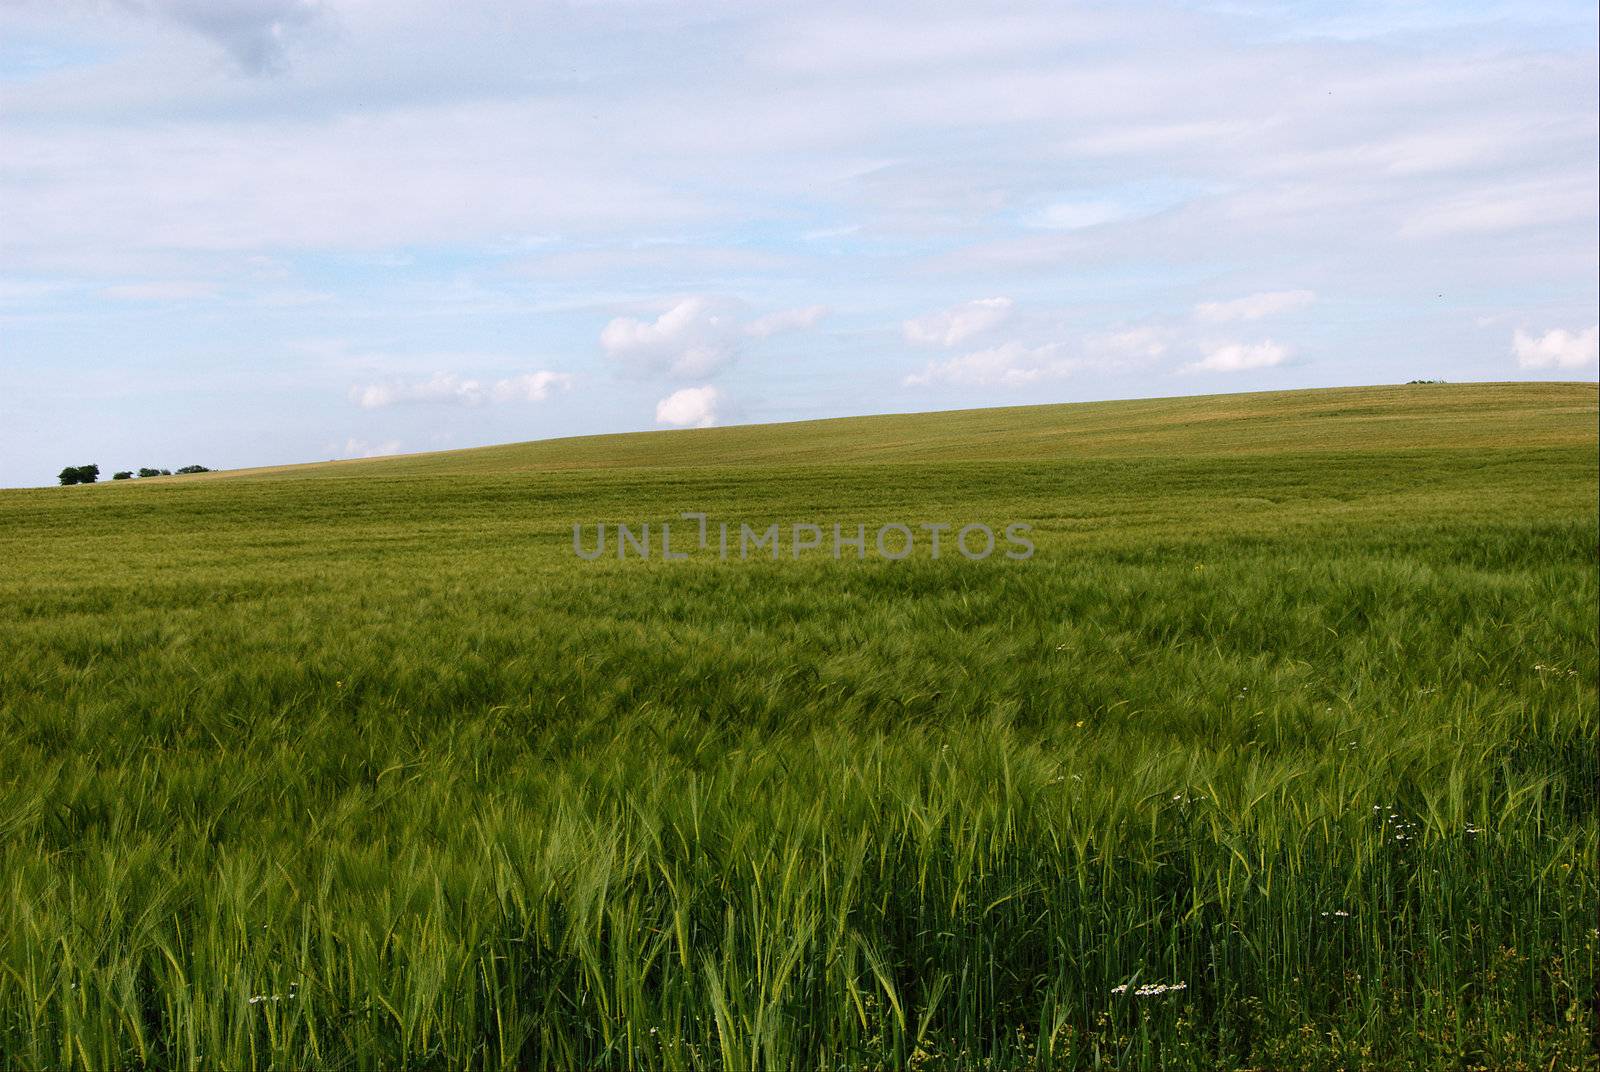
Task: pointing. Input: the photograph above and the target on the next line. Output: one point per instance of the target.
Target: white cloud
(29, 291)
(656, 260)
(824, 233)
(446, 388)
(853, 41)
(1019, 361)
(1008, 365)
(1507, 207)
(1157, 138)
(1557, 348)
(161, 291)
(361, 448)
(692, 407)
(1131, 344)
(691, 339)
(1254, 306)
(785, 320)
(445, 171)
(442, 387)
(1076, 215)
(1239, 357)
(958, 323)
(697, 337)
(530, 386)
(282, 299)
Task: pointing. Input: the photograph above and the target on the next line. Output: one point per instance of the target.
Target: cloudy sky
(264, 231)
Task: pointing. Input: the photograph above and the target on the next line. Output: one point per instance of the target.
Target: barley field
(1278, 753)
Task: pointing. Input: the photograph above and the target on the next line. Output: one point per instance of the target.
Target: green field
(1280, 752)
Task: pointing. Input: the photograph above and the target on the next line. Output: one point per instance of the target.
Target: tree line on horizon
(89, 474)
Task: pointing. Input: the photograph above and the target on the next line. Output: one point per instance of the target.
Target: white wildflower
(1151, 990)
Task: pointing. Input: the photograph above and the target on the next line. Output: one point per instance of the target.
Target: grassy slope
(1363, 418)
(370, 728)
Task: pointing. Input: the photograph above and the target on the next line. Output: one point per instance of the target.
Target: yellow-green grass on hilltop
(1420, 416)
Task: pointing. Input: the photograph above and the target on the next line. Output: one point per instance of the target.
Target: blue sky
(270, 231)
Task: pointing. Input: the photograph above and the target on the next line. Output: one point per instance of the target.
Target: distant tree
(124, 475)
(194, 469)
(145, 470)
(166, 472)
(79, 474)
